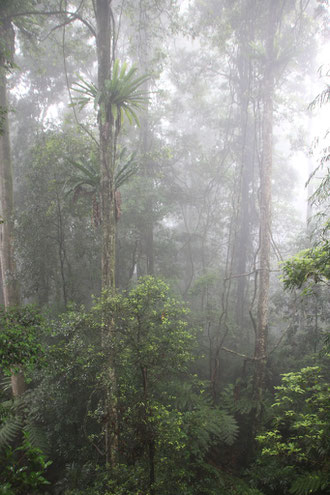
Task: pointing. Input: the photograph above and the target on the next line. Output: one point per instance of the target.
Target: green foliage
(213, 425)
(9, 428)
(69, 388)
(155, 350)
(312, 264)
(23, 469)
(88, 173)
(16, 420)
(298, 444)
(316, 482)
(236, 399)
(20, 338)
(160, 403)
(56, 244)
(152, 324)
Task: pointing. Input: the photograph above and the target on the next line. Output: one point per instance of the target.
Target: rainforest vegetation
(164, 247)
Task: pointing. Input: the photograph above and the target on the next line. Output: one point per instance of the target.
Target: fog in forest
(164, 247)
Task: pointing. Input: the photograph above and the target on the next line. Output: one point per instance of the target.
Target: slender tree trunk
(244, 242)
(107, 137)
(10, 286)
(107, 141)
(149, 433)
(148, 173)
(10, 283)
(265, 211)
(61, 249)
(247, 144)
(145, 138)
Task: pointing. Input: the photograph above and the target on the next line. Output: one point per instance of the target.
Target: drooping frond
(37, 437)
(127, 167)
(9, 429)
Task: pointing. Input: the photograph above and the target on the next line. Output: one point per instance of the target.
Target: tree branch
(244, 356)
(74, 16)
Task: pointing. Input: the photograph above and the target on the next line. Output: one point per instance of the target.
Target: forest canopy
(164, 247)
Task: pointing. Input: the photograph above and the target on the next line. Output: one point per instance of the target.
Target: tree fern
(228, 428)
(207, 426)
(235, 402)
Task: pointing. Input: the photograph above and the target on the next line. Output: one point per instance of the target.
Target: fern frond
(5, 383)
(228, 428)
(37, 437)
(310, 483)
(8, 431)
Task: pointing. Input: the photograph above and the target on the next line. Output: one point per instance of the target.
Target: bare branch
(239, 275)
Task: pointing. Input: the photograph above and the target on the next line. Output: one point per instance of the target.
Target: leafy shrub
(295, 453)
(23, 469)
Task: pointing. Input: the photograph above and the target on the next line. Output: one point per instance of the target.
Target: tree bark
(10, 286)
(10, 283)
(107, 137)
(147, 233)
(265, 210)
(243, 243)
(107, 146)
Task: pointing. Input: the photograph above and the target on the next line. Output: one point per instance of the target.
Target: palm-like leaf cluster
(87, 93)
(122, 93)
(88, 176)
(86, 180)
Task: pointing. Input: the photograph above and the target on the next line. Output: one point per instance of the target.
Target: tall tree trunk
(10, 285)
(147, 171)
(243, 240)
(149, 432)
(107, 138)
(265, 210)
(107, 146)
(144, 46)
(243, 246)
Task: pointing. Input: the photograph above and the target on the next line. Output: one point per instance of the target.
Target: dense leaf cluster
(312, 264)
(20, 344)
